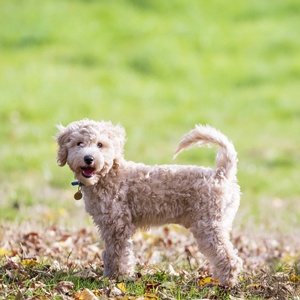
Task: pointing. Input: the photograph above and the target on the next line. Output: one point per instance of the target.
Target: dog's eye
(80, 144)
(99, 145)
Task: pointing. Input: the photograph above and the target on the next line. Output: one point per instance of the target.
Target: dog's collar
(77, 183)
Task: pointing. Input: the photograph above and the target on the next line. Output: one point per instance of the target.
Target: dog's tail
(226, 159)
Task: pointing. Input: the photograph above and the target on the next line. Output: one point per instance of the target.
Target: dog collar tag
(78, 195)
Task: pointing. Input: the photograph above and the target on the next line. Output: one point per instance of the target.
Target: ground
(66, 264)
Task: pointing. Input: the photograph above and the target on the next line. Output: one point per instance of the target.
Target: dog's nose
(88, 159)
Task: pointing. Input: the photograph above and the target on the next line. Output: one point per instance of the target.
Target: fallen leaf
(116, 291)
(4, 252)
(207, 280)
(38, 284)
(150, 296)
(255, 285)
(29, 262)
(127, 297)
(172, 271)
(86, 273)
(85, 294)
(100, 292)
(151, 285)
(64, 286)
(122, 287)
(10, 264)
(295, 278)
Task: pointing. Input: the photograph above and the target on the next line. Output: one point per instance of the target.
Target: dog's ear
(62, 139)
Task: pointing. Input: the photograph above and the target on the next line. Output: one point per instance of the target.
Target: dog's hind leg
(214, 243)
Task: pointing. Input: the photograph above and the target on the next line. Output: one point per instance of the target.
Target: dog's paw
(229, 275)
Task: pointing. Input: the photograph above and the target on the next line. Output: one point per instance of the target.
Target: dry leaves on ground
(33, 259)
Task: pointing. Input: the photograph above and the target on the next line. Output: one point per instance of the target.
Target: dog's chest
(100, 201)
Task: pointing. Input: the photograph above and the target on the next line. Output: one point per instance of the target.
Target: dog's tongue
(88, 171)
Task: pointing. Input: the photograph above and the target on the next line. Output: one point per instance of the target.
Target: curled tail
(226, 159)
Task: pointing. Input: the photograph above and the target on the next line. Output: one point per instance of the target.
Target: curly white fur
(122, 196)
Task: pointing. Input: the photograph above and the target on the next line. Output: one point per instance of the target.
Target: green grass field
(158, 68)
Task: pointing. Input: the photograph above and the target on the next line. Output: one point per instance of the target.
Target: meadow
(158, 68)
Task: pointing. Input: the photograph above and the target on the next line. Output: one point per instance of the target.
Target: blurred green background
(158, 68)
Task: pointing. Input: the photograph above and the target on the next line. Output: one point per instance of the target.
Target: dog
(122, 196)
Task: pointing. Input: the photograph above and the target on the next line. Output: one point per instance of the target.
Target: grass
(41, 281)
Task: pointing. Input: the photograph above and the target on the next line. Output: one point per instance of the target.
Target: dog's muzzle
(88, 172)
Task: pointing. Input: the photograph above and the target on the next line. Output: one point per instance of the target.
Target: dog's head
(90, 148)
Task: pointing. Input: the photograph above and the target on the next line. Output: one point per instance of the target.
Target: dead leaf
(116, 291)
(102, 293)
(295, 278)
(86, 273)
(85, 294)
(121, 287)
(4, 252)
(204, 281)
(14, 274)
(172, 271)
(151, 285)
(29, 262)
(10, 264)
(150, 296)
(64, 286)
(127, 297)
(255, 285)
(38, 284)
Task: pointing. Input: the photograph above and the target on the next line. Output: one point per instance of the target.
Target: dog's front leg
(118, 258)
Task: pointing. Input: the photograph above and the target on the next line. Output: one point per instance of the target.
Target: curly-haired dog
(122, 196)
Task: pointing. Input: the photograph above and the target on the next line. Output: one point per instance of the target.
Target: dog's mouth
(87, 172)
